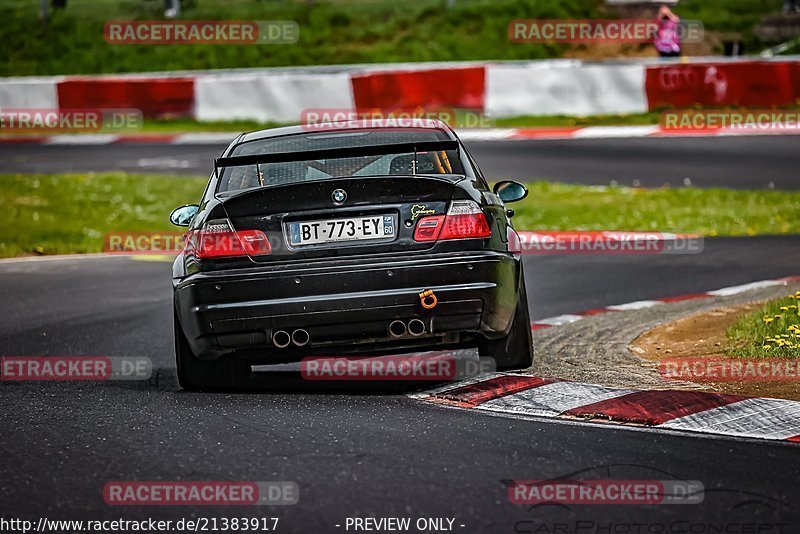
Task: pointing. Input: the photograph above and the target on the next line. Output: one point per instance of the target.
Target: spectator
(172, 9)
(668, 41)
(790, 6)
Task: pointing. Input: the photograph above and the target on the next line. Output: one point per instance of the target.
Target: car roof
(368, 124)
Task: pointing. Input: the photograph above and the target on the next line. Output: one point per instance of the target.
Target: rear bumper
(347, 302)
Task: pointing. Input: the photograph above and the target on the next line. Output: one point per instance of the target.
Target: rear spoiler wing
(334, 153)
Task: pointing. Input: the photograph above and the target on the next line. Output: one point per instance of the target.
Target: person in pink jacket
(667, 41)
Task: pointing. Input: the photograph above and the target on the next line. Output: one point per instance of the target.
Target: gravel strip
(595, 349)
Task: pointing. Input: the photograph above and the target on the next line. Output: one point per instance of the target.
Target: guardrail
(499, 89)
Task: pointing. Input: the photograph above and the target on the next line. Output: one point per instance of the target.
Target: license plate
(368, 228)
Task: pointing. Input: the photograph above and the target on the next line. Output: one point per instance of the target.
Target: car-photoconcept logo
(339, 196)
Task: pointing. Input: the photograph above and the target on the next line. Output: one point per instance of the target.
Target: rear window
(271, 174)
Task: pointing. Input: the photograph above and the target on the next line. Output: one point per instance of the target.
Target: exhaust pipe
(416, 327)
(300, 337)
(281, 339)
(397, 328)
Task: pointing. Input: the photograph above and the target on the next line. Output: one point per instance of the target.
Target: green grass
(71, 213)
(773, 331)
(189, 125)
(331, 32)
(462, 120)
(709, 212)
(557, 121)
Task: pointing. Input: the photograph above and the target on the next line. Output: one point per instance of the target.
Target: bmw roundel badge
(339, 196)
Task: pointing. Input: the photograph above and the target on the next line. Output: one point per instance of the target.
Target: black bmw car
(346, 239)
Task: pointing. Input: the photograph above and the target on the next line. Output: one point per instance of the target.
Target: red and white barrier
(455, 87)
(269, 97)
(154, 97)
(498, 89)
(564, 88)
(754, 84)
(26, 93)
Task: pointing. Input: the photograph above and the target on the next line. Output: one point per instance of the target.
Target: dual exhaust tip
(300, 337)
(398, 328)
(282, 339)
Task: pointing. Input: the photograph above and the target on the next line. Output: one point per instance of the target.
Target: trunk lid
(340, 216)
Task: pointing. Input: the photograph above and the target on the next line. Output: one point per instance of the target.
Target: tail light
(464, 220)
(428, 228)
(217, 239)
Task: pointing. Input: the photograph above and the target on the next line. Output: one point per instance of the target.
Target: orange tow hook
(428, 299)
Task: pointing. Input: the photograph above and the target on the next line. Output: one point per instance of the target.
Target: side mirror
(183, 216)
(510, 191)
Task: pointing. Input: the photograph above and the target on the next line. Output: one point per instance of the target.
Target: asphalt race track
(755, 162)
(731, 162)
(362, 453)
(353, 453)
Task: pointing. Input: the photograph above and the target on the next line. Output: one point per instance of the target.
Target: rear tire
(205, 375)
(515, 349)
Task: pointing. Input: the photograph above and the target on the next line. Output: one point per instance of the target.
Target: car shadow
(282, 382)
